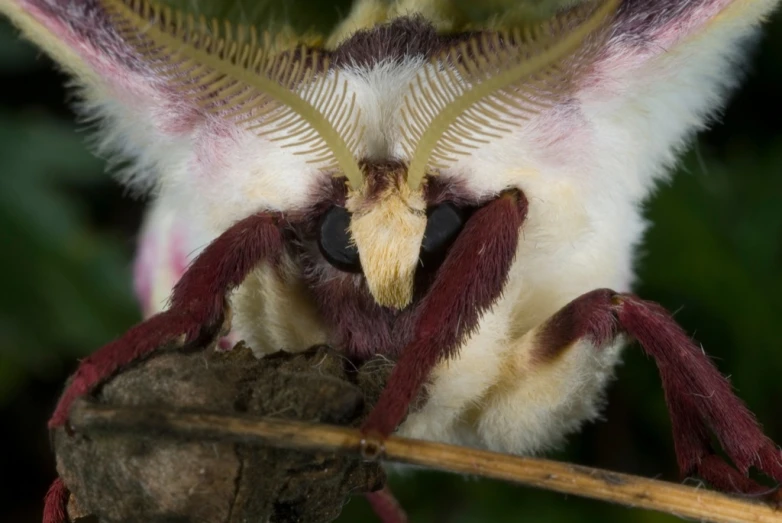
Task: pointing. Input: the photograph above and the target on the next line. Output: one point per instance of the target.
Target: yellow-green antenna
(481, 88)
(290, 96)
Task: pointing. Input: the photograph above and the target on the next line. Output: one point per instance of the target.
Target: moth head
(472, 92)
(388, 220)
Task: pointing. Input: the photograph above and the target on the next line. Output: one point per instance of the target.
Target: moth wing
(166, 245)
(143, 119)
(665, 72)
(661, 74)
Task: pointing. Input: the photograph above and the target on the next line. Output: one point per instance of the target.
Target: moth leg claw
(701, 402)
(721, 475)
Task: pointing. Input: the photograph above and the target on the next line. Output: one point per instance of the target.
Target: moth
(461, 196)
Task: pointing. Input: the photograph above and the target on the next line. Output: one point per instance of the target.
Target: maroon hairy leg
(198, 304)
(469, 281)
(197, 310)
(56, 503)
(700, 400)
(386, 507)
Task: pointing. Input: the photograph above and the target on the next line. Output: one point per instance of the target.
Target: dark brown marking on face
(590, 315)
(409, 36)
(380, 175)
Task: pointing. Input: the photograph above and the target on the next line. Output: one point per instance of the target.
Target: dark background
(714, 254)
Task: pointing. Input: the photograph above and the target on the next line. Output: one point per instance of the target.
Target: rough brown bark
(156, 478)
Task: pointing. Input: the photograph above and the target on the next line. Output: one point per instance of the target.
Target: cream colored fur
(585, 173)
(272, 313)
(388, 234)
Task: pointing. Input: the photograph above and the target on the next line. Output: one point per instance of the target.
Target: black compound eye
(335, 243)
(443, 225)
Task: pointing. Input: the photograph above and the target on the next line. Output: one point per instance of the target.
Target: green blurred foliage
(713, 253)
(78, 294)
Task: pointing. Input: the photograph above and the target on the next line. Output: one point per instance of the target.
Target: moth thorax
(387, 224)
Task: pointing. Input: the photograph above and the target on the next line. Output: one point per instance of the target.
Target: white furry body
(585, 168)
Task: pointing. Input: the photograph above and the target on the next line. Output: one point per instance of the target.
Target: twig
(633, 491)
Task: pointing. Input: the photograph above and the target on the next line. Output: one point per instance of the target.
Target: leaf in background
(15, 55)
(67, 286)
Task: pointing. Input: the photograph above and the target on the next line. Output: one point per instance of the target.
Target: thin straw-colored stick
(633, 491)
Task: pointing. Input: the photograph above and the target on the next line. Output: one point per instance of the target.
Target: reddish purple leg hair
(701, 403)
(197, 310)
(467, 284)
(55, 503)
(699, 398)
(386, 507)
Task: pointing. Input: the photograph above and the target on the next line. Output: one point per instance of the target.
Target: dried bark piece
(154, 478)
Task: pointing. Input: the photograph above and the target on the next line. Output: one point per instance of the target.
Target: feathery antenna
(289, 96)
(480, 89)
